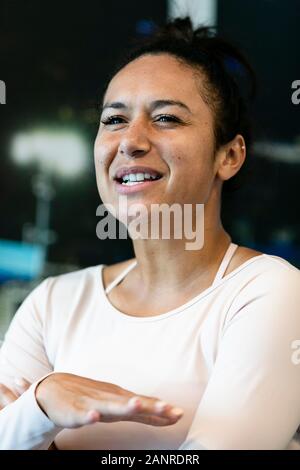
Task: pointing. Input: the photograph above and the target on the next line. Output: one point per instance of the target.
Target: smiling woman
(176, 348)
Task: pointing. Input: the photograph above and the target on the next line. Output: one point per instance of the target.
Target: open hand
(7, 396)
(72, 401)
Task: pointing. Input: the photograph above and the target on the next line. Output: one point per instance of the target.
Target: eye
(168, 118)
(110, 121)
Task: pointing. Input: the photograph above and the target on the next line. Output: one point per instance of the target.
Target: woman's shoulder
(268, 262)
(241, 256)
(83, 277)
(269, 283)
(266, 275)
(65, 284)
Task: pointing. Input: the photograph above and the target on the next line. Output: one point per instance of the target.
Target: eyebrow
(153, 105)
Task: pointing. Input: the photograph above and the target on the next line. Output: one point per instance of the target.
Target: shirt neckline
(232, 247)
(124, 316)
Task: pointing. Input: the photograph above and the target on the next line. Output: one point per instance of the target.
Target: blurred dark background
(54, 60)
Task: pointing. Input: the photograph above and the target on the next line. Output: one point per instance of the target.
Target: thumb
(80, 417)
(92, 416)
(21, 384)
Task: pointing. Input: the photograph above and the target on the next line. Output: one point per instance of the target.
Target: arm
(252, 400)
(8, 396)
(23, 425)
(59, 400)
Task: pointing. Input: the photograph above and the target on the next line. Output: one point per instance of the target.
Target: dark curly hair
(229, 80)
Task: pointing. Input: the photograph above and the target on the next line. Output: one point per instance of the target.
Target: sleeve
(23, 425)
(252, 399)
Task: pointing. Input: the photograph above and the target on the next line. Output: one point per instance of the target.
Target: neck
(167, 264)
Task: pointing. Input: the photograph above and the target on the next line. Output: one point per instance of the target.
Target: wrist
(39, 392)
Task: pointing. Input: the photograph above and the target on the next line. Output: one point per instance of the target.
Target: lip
(123, 189)
(126, 170)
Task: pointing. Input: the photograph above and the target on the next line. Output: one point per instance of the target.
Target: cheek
(191, 167)
(100, 151)
(103, 154)
(100, 159)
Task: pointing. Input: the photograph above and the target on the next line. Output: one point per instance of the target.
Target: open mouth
(133, 179)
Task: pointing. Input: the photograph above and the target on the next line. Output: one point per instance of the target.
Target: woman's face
(154, 117)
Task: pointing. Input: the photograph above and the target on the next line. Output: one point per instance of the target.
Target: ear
(230, 157)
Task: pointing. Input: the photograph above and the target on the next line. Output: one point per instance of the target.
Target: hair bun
(180, 28)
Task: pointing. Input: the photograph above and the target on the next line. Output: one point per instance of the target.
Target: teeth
(137, 177)
(132, 183)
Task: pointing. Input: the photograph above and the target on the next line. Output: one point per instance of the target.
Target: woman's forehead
(155, 77)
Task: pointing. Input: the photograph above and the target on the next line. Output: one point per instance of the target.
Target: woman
(177, 348)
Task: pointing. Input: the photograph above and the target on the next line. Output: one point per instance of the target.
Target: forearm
(24, 426)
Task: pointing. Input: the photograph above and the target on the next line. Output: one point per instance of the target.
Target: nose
(135, 142)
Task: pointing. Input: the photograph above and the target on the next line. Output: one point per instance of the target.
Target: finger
(152, 420)
(77, 416)
(154, 406)
(21, 384)
(90, 417)
(94, 416)
(6, 396)
(112, 410)
(109, 410)
(115, 410)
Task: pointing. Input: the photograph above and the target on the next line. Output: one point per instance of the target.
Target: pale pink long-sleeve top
(228, 357)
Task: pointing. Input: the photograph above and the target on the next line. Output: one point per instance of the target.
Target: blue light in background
(20, 260)
(234, 66)
(145, 27)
